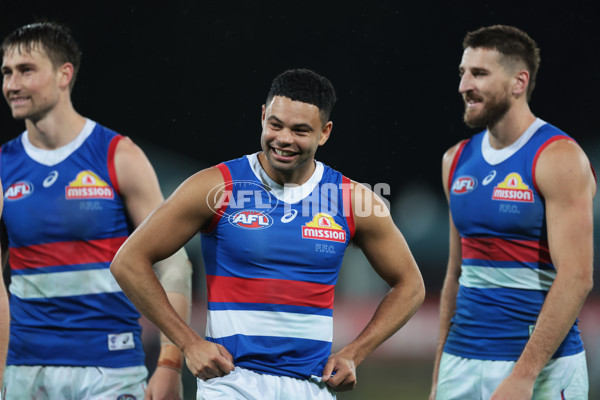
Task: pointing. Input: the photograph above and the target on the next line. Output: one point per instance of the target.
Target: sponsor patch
(251, 219)
(18, 191)
(120, 341)
(464, 184)
(512, 188)
(323, 227)
(88, 185)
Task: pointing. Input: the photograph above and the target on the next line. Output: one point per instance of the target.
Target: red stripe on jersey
(537, 156)
(110, 162)
(225, 289)
(348, 212)
(496, 249)
(459, 151)
(226, 195)
(64, 253)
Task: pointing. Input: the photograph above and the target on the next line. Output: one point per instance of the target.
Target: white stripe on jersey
(60, 284)
(514, 278)
(223, 323)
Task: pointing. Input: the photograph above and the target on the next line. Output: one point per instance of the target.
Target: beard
(494, 109)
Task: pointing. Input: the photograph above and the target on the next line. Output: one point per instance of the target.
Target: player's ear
(325, 132)
(520, 83)
(65, 74)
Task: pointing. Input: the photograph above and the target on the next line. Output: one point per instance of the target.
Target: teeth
(283, 153)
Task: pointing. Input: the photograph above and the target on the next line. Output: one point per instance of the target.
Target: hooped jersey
(506, 267)
(272, 258)
(65, 220)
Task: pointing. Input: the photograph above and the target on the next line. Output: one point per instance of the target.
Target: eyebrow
(296, 126)
(18, 66)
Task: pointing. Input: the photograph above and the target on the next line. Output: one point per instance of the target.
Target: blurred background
(186, 81)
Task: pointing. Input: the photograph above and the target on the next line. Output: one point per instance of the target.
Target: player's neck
(510, 128)
(297, 176)
(56, 129)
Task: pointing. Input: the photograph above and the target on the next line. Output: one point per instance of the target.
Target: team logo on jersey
(512, 188)
(464, 184)
(230, 198)
(88, 185)
(323, 227)
(251, 219)
(18, 191)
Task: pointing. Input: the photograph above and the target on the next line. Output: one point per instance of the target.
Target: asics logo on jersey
(464, 184)
(50, 179)
(289, 216)
(251, 219)
(490, 177)
(18, 191)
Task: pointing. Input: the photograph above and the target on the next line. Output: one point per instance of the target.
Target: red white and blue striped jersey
(272, 258)
(506, 267)
(65, 220)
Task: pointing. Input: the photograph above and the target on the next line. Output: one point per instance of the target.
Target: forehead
(480, 57)
(20, 54)
(284, 107)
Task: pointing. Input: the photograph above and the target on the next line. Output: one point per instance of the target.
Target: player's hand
(208, 360)
(165, 384)
(513, 388)
(340, 372)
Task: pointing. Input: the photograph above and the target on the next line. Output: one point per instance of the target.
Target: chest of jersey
(488, 200)
(70, 201)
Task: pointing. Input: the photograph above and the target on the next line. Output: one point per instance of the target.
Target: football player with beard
(521, 253)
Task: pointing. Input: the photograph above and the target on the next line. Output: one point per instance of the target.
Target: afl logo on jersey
(464, 184)
(251, 219)
(18, 191)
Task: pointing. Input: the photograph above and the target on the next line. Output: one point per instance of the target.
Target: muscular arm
(565, 180)
(166, 230)
(450, 288)
(141, 193)
(389, 255)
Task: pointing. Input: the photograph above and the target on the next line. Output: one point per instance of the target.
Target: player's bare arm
(141, 193)
(565, 179)
(450, 286)
(182, 215)
(389, 255)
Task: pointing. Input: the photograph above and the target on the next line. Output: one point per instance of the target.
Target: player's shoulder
(12, 145)
(452, 152)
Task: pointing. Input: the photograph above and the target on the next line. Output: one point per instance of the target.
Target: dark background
(191, 76)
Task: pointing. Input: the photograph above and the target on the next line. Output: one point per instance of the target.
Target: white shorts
(243, 384)
(74, 383)
(563, 378)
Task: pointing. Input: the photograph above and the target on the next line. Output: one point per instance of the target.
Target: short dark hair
(54, 38)
(510, 42)
(306, 86)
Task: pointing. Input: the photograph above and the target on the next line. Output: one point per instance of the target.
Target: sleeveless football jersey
(506, 267)
(65, 221)
(272, 257)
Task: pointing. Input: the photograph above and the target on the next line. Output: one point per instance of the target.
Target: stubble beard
(494, 109)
